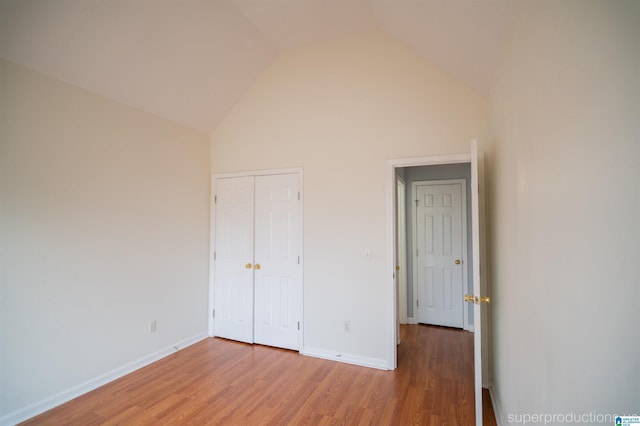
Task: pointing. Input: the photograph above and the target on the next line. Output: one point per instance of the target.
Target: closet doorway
(256, 277)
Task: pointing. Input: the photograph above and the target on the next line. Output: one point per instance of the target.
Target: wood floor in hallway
(218, 381)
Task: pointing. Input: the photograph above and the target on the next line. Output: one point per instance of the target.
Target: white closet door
(278, 273)
(234, 247)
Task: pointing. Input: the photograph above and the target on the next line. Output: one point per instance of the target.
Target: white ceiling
(190, 60)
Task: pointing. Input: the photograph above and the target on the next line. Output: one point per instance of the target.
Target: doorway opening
(437, 238)
(397, 169)
(476, 162)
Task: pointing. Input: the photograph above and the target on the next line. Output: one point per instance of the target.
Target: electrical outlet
(153, 326)
(346, 326)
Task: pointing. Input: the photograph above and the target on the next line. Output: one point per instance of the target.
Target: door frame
(392, 355)
(414, 236)
(401, 247)
(212, 239)
(481, 340)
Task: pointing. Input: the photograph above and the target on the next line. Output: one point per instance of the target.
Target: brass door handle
(477, 300)
(256, 266)
(248, 266)
(458, 261)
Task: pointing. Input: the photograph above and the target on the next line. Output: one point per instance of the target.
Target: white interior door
(440, 251)
(479, 287)
(233, 277)
(257, 278)
(278, 272)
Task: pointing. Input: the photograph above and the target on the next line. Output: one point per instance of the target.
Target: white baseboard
(55, 400)
(362, 361)
(411, 320)
(497, 408)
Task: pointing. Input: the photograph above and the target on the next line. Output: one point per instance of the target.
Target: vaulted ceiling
(189, 61)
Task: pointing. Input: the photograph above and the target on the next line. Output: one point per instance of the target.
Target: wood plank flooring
(217, 381)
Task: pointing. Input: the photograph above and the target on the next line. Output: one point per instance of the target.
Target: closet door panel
(278, 280)
(234, 248)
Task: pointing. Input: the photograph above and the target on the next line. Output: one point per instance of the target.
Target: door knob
(477, 300)
(458, 261)
(256, 266)
(248, 266)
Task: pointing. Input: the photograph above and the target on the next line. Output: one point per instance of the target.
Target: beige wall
(564, 211)
(104, 226)
(340, 109)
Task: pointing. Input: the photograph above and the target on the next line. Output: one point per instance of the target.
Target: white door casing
(278, 281)
(440, 241)
(401, 248)
(233, 280)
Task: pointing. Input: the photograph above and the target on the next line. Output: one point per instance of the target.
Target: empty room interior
(284, 203)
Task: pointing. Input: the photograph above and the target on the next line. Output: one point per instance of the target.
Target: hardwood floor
(218, 381)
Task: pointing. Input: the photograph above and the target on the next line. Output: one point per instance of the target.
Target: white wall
(564, 211)
(340, 109)
(103, 227)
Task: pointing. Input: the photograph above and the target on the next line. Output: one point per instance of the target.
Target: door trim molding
(212, 238)
(414, 235)
(291, 170)
(401, 244)
(392, 355)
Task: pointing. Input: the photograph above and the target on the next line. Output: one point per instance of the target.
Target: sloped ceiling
(189, 61)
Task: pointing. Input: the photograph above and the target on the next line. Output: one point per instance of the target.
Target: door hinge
(215, 199)
(298, 195)
(298, 325)
(298, 260)
(417, 253)
(417, 201)
(214, 255)
(417, 303)
(213, 313)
